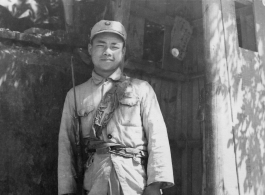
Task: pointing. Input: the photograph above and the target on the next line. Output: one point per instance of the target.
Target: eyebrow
(100, 41)
(104, 42)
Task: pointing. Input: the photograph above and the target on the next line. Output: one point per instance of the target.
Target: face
(107, 52)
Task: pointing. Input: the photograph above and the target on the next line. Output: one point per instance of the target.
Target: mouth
(107, 59)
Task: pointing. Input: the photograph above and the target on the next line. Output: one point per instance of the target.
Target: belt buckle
(110, 150)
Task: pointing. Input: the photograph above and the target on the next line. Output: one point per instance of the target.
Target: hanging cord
(230, 99)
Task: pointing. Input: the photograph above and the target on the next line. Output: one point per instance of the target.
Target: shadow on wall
(249, 124)
(247, 81)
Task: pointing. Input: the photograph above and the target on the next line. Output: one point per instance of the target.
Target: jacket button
(109, 136)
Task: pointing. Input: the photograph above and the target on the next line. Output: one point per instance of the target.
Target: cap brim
(110, 31)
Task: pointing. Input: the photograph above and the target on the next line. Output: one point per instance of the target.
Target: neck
(106, 74)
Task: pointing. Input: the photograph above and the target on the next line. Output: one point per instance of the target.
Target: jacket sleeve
(159, 167)
(66, 144)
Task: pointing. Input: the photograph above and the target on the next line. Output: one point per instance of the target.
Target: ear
(89, 48)
(123, 51)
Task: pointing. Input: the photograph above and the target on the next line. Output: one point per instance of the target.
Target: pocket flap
(85, 111)
(129, 95)
(130, 101)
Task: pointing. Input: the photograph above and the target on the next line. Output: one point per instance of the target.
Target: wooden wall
(178, 95)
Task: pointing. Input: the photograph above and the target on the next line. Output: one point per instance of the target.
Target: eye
(115, 47)
(100, 45)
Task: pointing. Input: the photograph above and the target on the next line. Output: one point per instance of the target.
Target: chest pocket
(129, 110)
(87, 118)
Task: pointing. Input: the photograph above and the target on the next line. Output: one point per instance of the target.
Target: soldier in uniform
(121, 121)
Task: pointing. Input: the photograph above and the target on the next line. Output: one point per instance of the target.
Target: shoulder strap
(107, 106)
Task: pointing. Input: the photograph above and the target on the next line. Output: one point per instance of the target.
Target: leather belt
(121, 151)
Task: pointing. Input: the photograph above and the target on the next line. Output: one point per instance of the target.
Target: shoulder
(143, 88)
(140, 83)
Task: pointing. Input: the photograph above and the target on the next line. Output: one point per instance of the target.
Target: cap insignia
(107, 23)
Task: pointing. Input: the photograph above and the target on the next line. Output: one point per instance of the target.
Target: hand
(153, 189)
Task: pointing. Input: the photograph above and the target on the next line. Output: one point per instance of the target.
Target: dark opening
(246, 25)
(153, 41)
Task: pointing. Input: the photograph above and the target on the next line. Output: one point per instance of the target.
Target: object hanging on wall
(175, 52)
(180, 36)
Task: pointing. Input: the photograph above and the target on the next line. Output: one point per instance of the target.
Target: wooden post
(68, 14)
(121, 12)
(217, 115)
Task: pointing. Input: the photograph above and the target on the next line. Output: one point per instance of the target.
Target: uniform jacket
(136, 123)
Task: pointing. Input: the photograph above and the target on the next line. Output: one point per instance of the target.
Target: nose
(107, 51)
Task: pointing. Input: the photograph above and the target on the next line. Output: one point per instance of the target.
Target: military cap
(108, 26)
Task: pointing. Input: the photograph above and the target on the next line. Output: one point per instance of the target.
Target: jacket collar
(115, 76)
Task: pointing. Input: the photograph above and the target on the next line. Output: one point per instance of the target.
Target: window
(245, 25)
(153, 42)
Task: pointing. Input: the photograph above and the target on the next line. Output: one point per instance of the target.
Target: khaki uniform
(136, 123)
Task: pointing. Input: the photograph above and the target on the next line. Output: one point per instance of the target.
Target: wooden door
(178, 83)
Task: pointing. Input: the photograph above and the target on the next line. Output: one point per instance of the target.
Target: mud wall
(239, 78)
(33, 84)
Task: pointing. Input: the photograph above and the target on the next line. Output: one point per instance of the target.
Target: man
(121, 121)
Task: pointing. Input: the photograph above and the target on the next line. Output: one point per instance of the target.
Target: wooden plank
(197, 44)
(157, 5)
(184, 174)
(203, 143)
(184, 108)
(178, 108)
(135, 37)
(68, 7)
(190, 103)
(156, 83)
(188, 143)
(121, 12)
(184, 134)
(171, 102)
(176, 155)
(204, 184)
(167, 105)
(78, 16)
(196, 172)
(152, 69)
(214, 51)
(195, 99)
(189, 130)
(196, 90)
(189, 170)
(151, 15)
